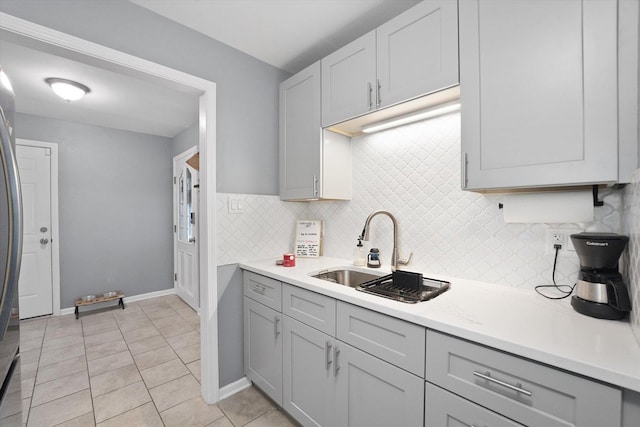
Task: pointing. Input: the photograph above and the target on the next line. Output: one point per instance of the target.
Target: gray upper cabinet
(539, 93)
(414, 54)
(314, 164)
(418, 52)
(300, 134)
(349, 83)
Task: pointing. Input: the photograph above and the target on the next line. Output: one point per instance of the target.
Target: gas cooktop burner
(405, 286)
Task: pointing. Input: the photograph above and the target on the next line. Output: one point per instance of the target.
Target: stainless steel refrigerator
(10, 258)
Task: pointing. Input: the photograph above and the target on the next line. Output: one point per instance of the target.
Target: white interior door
(36, 278)
(185, 219)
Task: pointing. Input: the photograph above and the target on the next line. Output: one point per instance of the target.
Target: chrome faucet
(395, 261)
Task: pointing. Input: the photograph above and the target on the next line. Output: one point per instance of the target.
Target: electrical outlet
(560, 236)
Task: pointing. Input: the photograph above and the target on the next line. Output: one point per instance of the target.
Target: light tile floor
(134, 367)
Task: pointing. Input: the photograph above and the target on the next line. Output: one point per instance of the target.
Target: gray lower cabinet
(519, 389)
(445, 409)
(391, 339)
(263, 348)
(330, 383)
(370, 392)
(308, 374)
(327, 382)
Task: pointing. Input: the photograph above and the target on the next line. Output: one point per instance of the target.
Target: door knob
(44, 241)
(43, 229)
(192, 240)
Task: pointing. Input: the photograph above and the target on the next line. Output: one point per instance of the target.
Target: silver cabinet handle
(315, 185)
(258, 289)
(336, 366)
(378, 95)
(275, 325)
(44, 241)
(517, 388)
(370, 91)
(327, 354)
(463, 170)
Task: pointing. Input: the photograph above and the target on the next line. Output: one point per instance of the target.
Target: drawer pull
(516, 388)
(275, 325)
(336, 366)
(259, 289)
(327, 354)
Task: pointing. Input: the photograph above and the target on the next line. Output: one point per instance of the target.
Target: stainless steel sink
(346, 277)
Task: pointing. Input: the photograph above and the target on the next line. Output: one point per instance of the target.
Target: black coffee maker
(600, 291)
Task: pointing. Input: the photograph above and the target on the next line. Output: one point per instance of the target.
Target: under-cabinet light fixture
(67, 89)
(427, 113)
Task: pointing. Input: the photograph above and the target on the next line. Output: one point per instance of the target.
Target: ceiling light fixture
(428, 113)
(67, 89)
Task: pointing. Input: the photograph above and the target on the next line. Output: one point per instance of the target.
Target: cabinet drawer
(396, 341)
(447, 409)
(520, 389)
(311, 308)
(263, 289)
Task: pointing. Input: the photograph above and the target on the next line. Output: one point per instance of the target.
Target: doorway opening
(50, 40)
(186, 198)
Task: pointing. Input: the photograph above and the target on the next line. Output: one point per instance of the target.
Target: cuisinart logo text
(597, 243)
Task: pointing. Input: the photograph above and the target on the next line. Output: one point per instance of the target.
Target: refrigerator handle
(12, 181)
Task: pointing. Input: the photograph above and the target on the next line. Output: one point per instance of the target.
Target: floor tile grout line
(62, 323)
(82, 415)
(86, 361)
(140, 373)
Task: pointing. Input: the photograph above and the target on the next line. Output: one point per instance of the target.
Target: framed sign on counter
(308, 242)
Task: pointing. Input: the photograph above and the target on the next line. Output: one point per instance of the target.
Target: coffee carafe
(600, 290)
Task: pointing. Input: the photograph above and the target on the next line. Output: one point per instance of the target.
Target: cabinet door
(307, 392)
(263, 348)
(300, 135)
(349, 81)
(538, 87)
(371, 392)
(449, 410)
(418, 52)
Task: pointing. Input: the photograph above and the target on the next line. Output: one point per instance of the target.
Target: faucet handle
(405, 261)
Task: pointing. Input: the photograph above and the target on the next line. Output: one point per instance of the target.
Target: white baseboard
(133, 298)
(234, 387)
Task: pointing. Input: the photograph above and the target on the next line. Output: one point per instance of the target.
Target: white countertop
(514, 320)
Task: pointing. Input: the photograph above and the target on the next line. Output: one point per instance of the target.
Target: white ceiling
(288, 34)
(116, 100)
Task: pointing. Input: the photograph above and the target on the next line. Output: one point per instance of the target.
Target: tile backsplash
(632, 255)
(413, 172)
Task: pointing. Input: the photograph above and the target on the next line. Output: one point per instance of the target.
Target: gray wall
(185, 140)
(115, 198)
(247, 89)
(230, 324)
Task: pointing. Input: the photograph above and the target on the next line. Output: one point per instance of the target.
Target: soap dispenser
(359, 254)
(373, 259)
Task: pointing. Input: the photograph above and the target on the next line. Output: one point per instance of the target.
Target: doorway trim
(210, 385)
(55, 230)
